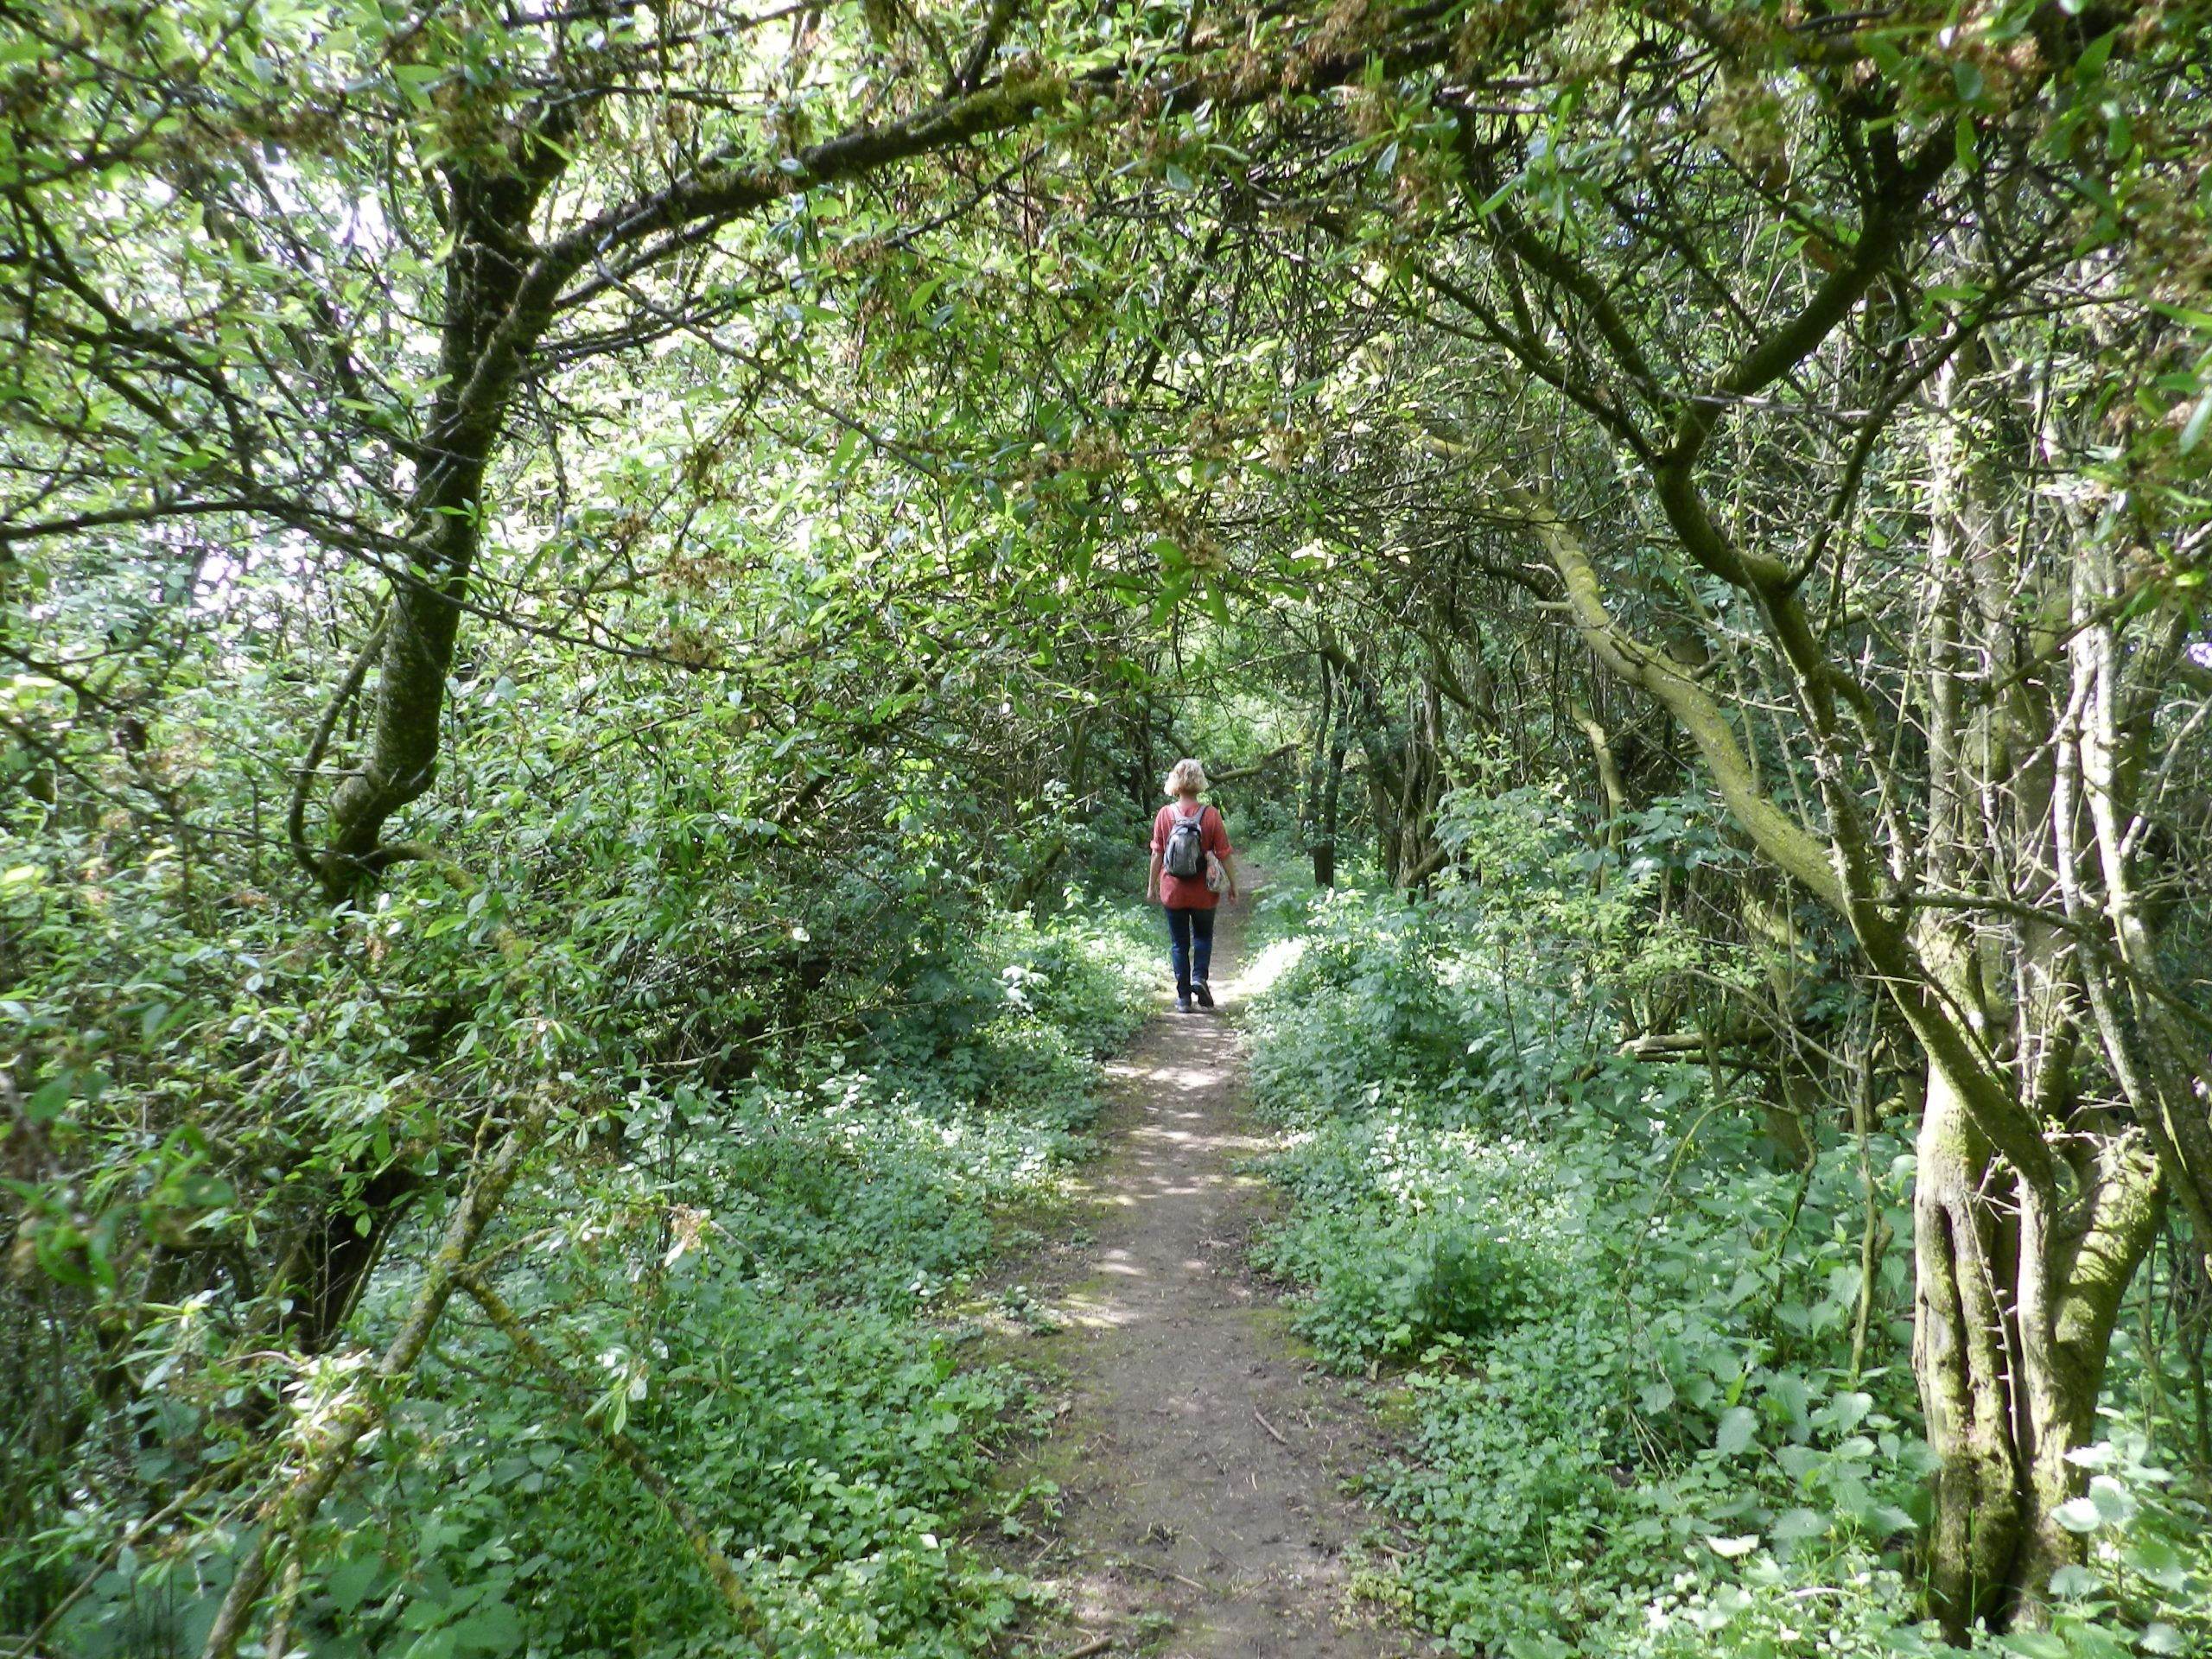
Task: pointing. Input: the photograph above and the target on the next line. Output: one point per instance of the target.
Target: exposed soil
(1199, 1452)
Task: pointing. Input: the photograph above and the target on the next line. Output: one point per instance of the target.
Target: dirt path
(1198, 1454)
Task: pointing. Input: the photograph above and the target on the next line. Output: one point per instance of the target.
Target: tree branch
(626, 1450)
(1779, 837)
(342, 1429)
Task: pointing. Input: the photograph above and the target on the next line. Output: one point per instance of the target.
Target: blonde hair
(1186, 777)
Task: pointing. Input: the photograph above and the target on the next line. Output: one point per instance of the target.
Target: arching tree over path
(1781, 335)
(367, 236)
(303, 288)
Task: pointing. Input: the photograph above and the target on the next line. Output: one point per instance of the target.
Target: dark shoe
(1182, 1004)
(1205, 997)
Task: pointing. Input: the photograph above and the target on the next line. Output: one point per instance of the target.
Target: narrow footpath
(1200, 1453)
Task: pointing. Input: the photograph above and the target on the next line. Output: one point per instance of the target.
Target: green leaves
(1738, 1429)
(2108, 1504)
(51, 1099)
(1611, 1454)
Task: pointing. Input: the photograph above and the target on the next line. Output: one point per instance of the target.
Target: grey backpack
(1185, 853)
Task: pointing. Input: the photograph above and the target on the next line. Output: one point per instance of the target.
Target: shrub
(1628, 1332)
(745, 1280)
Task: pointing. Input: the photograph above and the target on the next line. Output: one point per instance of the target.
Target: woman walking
(1191, 868)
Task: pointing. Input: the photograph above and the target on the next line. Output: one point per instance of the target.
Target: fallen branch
(630, 1455)
(350, 1422)
(1659, 1045)
(1259, 1417)
(1253, 768)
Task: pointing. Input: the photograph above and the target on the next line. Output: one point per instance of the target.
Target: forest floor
(1199, 1450)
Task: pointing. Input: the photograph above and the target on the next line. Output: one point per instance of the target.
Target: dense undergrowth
(1658, 1369)
(755, 1283)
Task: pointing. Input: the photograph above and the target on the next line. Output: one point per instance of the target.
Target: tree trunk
(328, 1444)
(1416, 855)
(2013, 1320)
(1609, 781)
(2020, 1283)
(1325, 851)
(482, 343)
(1797, 1087)
(1960, 1359)
(1316, 779)
(335, 1259)
(2018, 1290)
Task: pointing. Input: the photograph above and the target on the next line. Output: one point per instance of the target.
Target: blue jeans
(1190, 935)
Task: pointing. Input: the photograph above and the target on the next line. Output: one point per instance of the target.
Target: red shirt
(1189, 892)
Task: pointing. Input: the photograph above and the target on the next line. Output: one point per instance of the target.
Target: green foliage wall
(1621, 1322)
(754, 1282)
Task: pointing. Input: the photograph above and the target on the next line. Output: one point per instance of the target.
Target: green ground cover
(754, 1285)
(1655, 1406)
